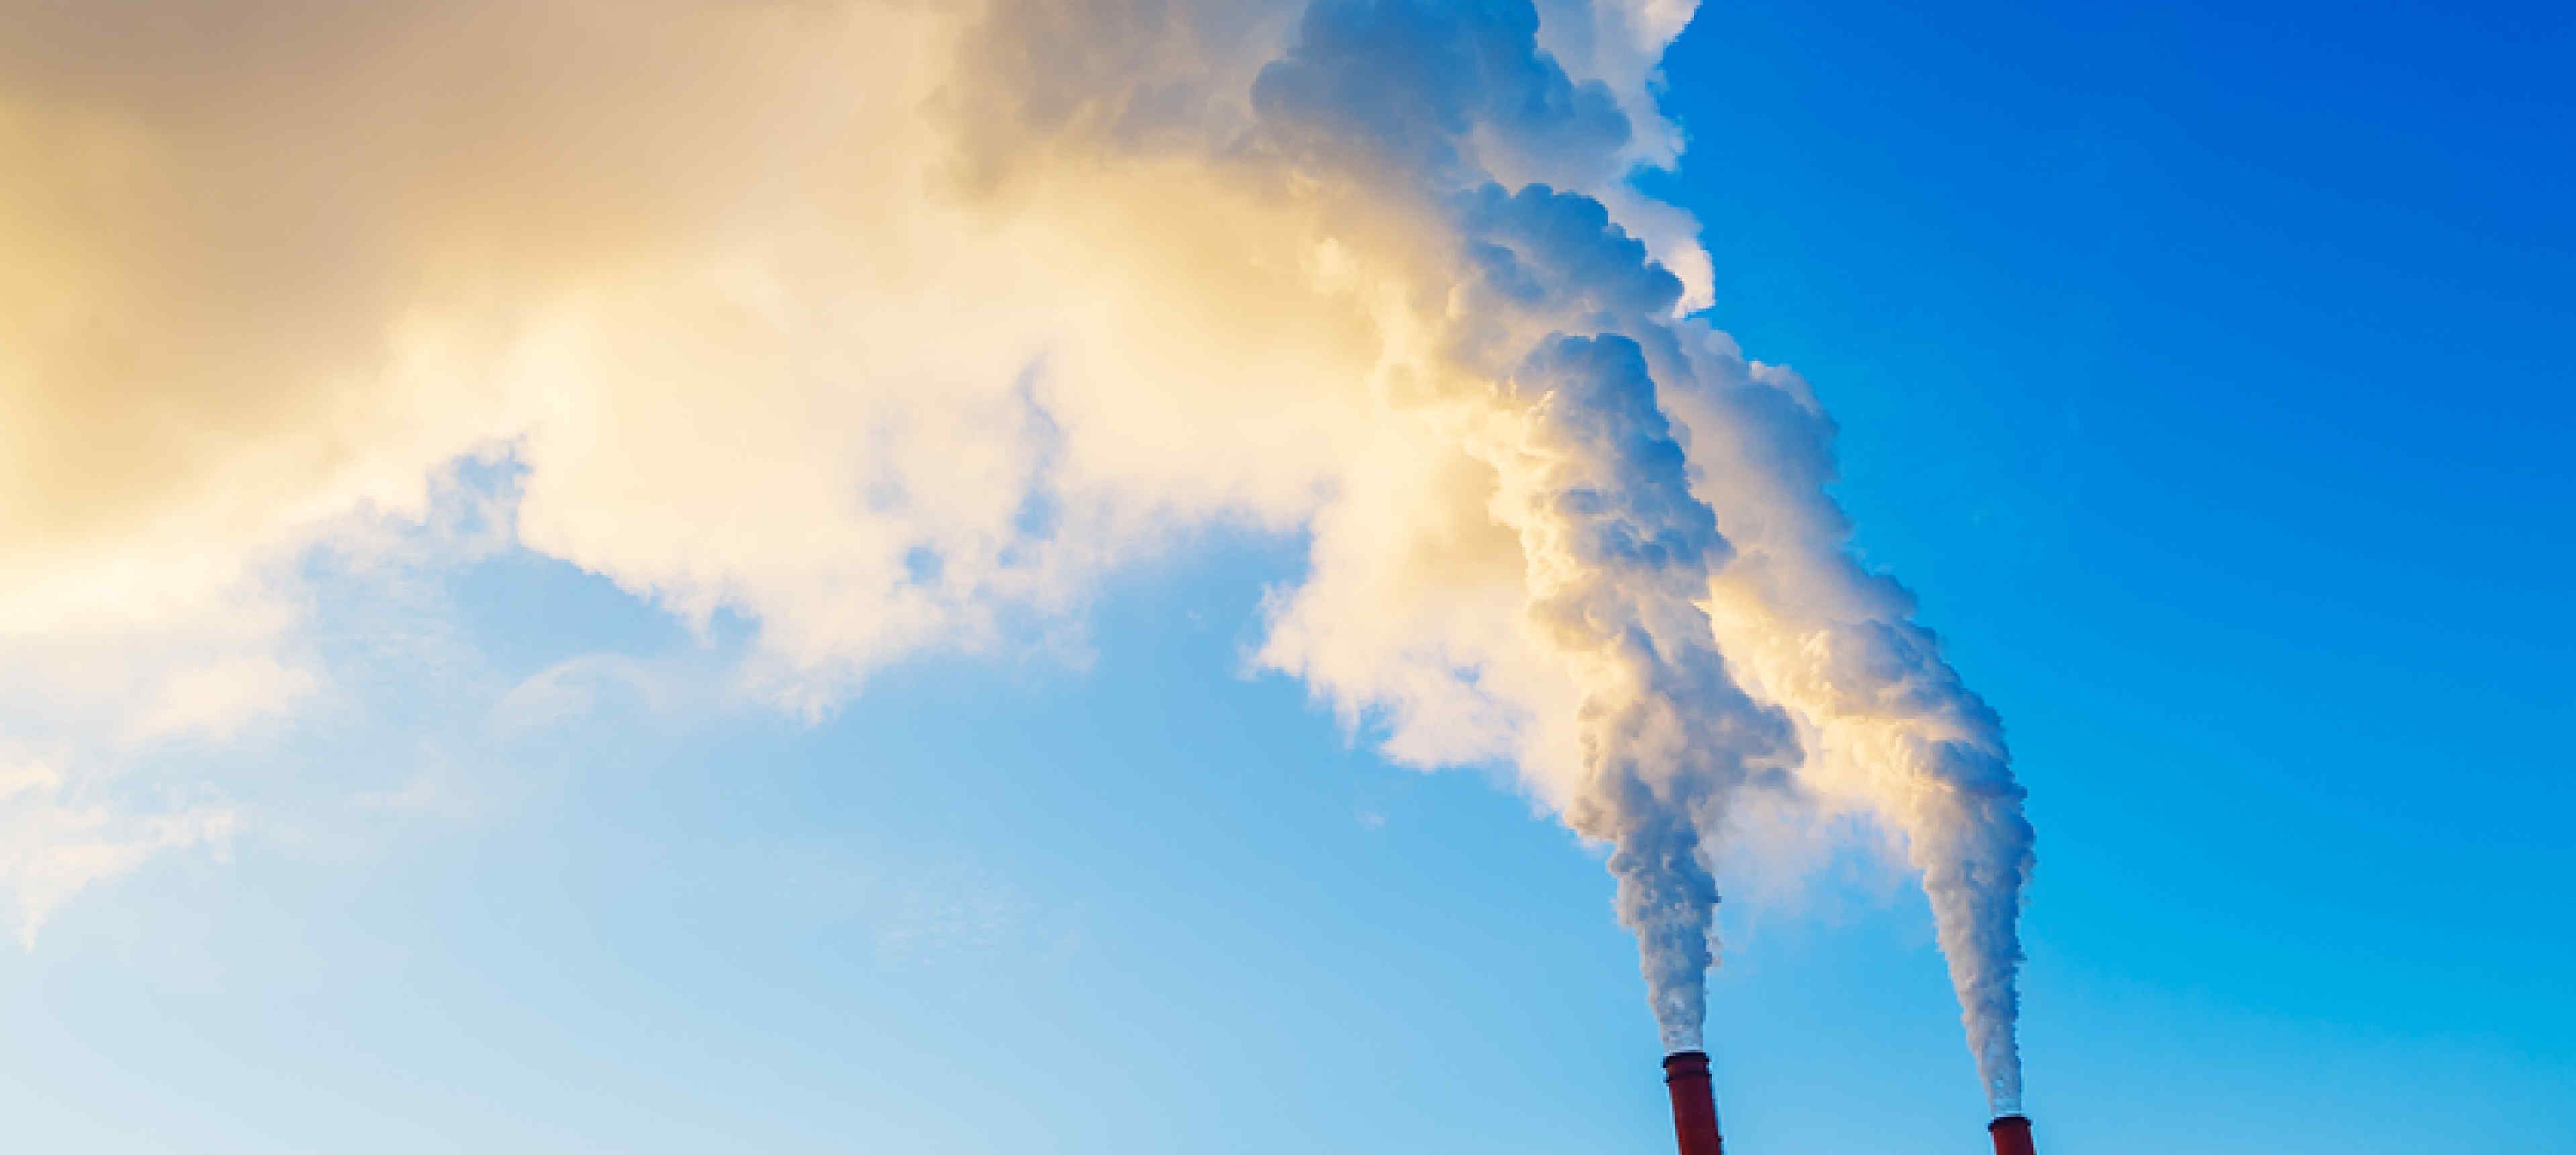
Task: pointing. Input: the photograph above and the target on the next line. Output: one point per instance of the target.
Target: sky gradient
(2202, 372)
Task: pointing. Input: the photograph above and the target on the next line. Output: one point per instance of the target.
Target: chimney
(1695, 1105)
(2012, 1135)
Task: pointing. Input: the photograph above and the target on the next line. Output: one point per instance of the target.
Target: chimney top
(1694, 1104)
(2012, 1135)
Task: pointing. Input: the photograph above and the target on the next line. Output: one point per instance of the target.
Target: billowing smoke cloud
(888, 325)
(1885, 725)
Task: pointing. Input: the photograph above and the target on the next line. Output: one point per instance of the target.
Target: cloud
(217, 697)
(55, 841)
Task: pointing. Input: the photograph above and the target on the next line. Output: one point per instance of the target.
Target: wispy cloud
(56, 841)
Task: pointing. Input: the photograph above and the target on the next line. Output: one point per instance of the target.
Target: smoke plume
(886, 325)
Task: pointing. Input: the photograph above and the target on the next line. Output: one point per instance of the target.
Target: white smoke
(888, 325)
(1886, 727)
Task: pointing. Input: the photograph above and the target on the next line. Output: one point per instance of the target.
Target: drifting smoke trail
(1621, 552)
(1885, 725)
(1618, 552)
(974, 301)
(1544, 384)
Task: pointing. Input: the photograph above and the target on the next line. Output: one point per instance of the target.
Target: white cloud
(217, 697)
(55, 840)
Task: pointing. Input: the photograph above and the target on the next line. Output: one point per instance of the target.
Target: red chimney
(2012, 1135)
(1695, 1106)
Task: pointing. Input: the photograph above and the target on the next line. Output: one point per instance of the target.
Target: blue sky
(2204, 370)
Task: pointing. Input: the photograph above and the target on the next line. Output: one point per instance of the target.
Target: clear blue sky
(2204, 368)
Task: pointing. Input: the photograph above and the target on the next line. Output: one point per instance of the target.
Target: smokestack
(2012, 1135)
(1695, 1105)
